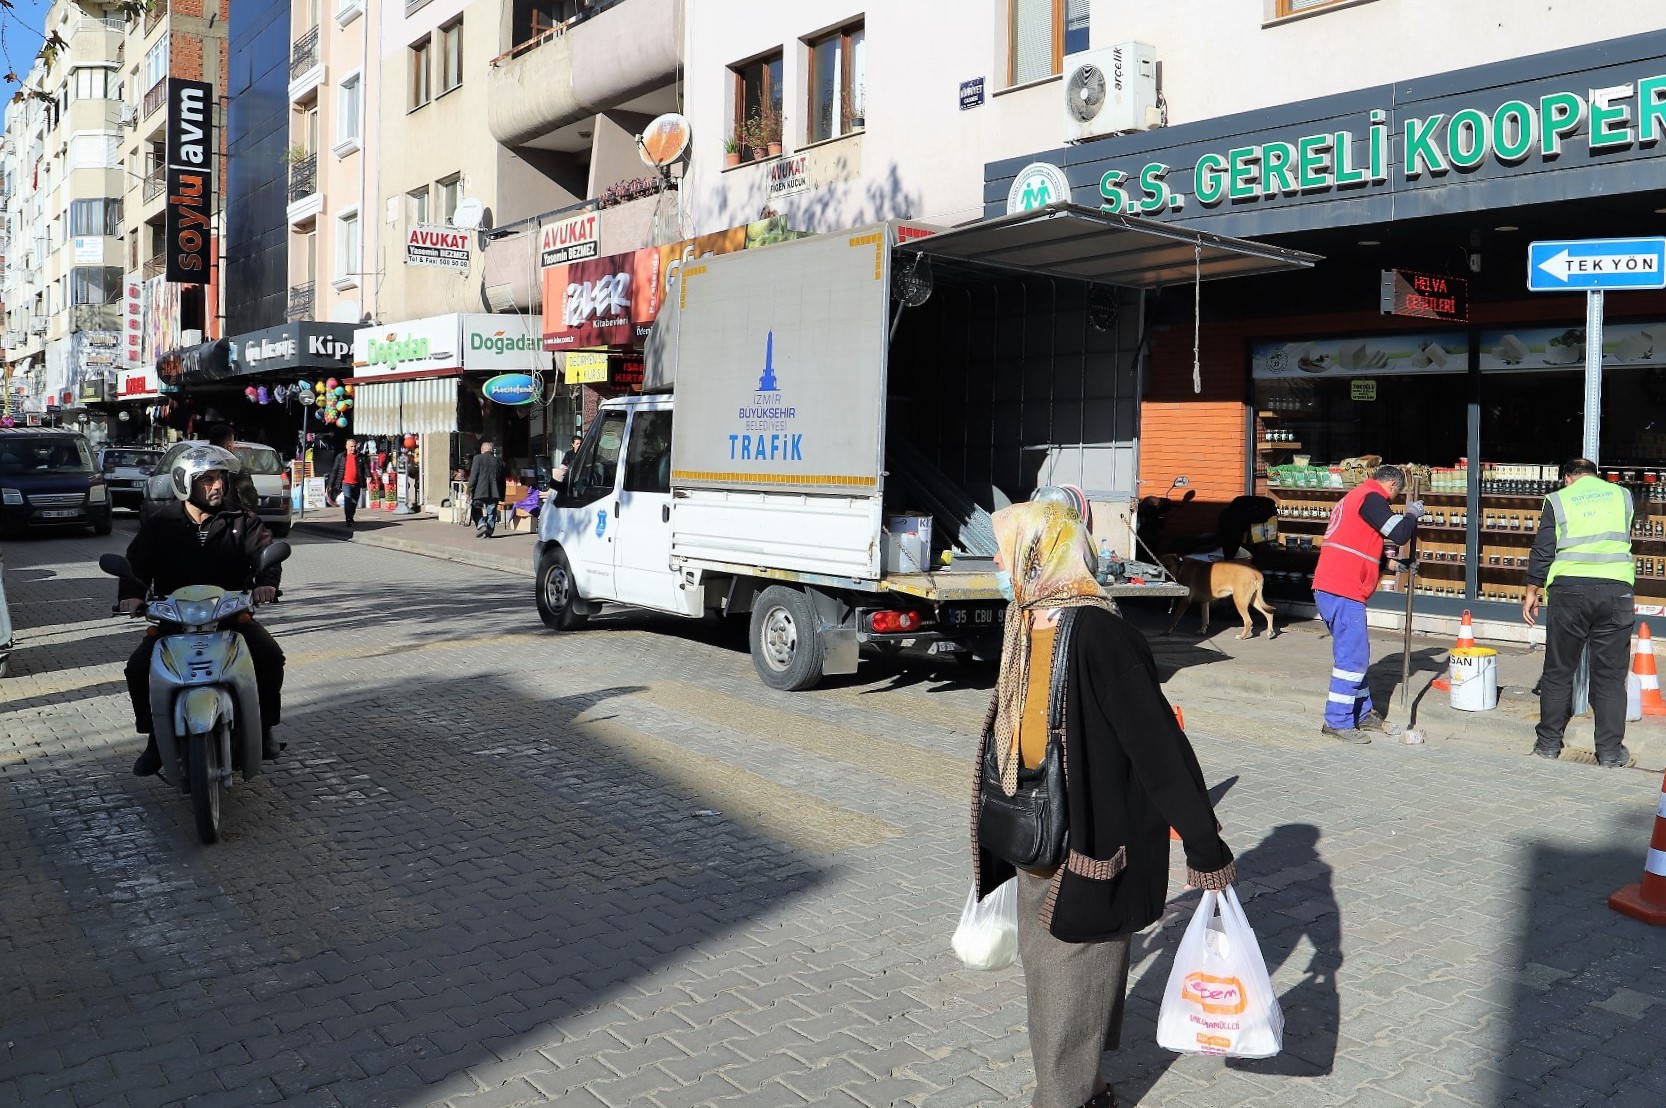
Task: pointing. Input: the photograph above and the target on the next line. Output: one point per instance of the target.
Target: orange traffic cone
(1466, 638)
(1642, 664)
(1646, 900)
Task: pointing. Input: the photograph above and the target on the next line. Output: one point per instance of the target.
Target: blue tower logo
(768, 383)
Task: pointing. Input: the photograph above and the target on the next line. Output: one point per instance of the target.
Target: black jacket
(486, 477)
(338, 471)
(165, 554)
(1130, 776)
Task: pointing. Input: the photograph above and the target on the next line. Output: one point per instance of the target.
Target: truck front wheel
(786, 647)
(558, 597)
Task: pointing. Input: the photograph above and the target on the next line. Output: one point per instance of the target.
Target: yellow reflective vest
(1593, 531)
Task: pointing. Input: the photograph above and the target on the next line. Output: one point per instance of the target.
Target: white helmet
(197, 461)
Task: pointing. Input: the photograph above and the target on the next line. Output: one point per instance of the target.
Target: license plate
(973, 617)
(60, 513)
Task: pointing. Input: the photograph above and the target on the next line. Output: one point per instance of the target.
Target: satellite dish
(469, 214)
(664, 140)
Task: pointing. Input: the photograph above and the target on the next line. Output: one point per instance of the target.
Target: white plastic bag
(987, 938)
(1219, 998)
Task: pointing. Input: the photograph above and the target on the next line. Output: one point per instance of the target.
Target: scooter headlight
(195, 613)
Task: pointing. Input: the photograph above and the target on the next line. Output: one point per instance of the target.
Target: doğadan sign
(1600, 122)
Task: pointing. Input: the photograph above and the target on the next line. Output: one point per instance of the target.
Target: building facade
(257, 170)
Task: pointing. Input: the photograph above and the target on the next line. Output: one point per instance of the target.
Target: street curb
(481, 560)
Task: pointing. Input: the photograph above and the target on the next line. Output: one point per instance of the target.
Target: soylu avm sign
(1612, 120)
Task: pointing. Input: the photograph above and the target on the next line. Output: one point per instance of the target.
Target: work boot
(1373, 721)
(1543, 750)
(1346, 734)
(270, 748)
(1619, 759)
(149, 762)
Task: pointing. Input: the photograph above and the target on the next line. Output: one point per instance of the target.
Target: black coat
(1131, 775)
(338, 472)
(165, 554)
(486, 478)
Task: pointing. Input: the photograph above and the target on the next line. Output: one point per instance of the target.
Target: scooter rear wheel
(205, 783)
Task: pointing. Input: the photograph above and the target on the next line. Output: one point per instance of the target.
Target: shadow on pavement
(441, 875)
(1383, 677)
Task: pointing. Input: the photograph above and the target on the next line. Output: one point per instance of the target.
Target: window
(156, 62)
(451, 57)
(95, 217)
(94, 151)
(92, 84)
(95, 285)
(758, 94)
(648, 462)
(420, 90)
(598, 459)
(347, 247)
(349, 100)
(1041, 33)
(1283, 9)
(451, 190)
(837, 75)
(309, 258)
(416, 205)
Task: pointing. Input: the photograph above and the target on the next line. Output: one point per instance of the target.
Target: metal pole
(1408, 558)
(1593, 372)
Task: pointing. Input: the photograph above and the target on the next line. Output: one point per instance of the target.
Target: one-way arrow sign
(1581, 265)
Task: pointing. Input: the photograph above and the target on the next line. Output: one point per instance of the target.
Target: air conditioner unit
(1110, 91)
(37, 324)
(128, 114)
(190, 336)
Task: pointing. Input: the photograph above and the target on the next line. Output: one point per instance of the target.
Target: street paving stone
(499, 866)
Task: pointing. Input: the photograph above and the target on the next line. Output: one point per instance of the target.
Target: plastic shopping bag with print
(987, 938)
(1219, 998)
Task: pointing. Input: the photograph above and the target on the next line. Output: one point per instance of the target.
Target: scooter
(204, 703)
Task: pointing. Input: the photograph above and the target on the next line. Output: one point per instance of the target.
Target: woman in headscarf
(1130, 776)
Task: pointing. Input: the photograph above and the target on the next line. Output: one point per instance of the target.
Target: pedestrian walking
(1130, 776)
(347, 478)
(1582, 559)
(1350, 563)
(485, 489)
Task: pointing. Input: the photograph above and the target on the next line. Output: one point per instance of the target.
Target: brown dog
(1207, 582)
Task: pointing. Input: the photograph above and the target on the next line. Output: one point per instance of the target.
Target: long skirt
(1075, 993)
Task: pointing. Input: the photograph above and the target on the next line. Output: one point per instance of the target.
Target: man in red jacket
(1349, 566)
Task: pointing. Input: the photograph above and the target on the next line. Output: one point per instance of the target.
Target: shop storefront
(1291, 386)
(426, 378)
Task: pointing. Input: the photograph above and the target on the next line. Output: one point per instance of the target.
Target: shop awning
(1065, 240)
(406, 407)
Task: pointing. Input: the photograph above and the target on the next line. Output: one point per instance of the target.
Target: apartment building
(335, 95)
(64, 219)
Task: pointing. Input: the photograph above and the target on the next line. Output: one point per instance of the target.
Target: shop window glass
(648, 462)
(598, 462)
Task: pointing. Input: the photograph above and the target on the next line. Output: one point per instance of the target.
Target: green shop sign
(1617, 118)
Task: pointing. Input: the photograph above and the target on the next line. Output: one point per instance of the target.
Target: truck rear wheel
(558, 597)
(786, 648)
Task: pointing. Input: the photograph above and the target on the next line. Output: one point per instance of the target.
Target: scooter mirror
(273, 554)
(1191, 495)
(115, 565)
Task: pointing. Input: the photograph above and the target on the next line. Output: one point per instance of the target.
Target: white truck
(827, 424)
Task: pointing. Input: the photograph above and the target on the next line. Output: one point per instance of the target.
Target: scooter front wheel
(206, 785)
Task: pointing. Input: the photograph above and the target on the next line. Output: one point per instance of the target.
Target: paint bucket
(1473, 673)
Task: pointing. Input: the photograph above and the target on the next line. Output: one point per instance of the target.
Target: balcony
(155, 266)
(301, 301)
(306, 69)
(154, 99)
(154, 14)
(156, 183)
(612, 54)
(303, 178)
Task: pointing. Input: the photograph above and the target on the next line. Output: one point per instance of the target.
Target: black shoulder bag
(1029, 827)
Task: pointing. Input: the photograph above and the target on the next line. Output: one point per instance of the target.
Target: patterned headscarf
(1046, 549)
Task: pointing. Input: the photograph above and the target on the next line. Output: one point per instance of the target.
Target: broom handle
(1408, 556)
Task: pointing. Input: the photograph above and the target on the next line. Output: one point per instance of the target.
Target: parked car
(47, 479)
(126, 469)
(260, 462)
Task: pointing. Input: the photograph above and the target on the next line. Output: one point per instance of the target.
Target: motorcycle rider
(203, 538)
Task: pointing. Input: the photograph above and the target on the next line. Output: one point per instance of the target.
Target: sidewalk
(1272, 687)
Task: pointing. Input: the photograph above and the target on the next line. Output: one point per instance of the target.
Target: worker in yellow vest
(1582, 555)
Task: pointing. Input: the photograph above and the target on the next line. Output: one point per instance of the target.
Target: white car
(265, 469)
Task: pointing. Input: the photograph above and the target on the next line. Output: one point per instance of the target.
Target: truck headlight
(97, 494)
(12, 498)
